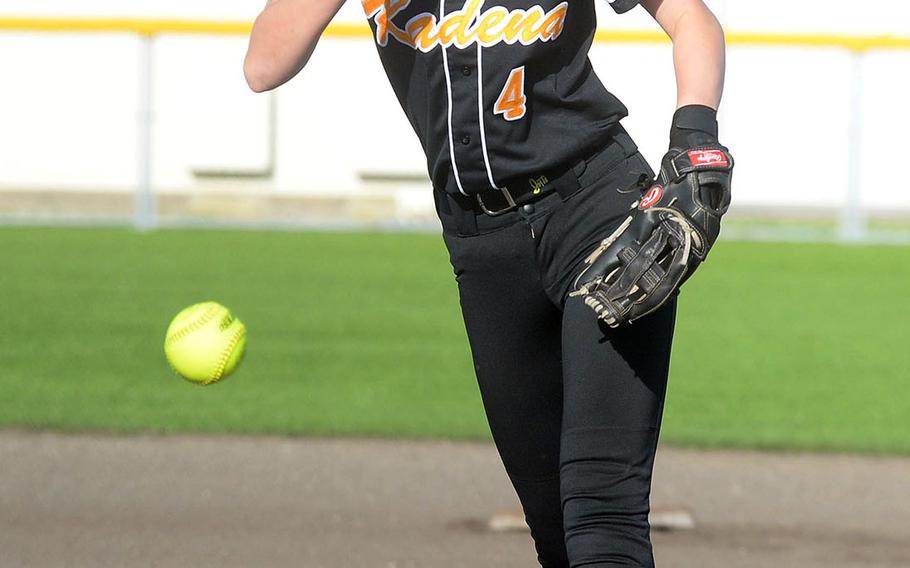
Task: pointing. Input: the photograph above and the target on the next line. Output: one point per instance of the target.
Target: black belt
(513, 195)
(468, 210)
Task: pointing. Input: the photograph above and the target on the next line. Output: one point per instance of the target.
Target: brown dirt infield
(96, 501)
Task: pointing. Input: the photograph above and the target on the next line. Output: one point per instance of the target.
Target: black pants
(574, 407)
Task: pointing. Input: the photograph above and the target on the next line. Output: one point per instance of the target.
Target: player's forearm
(699, 50)
(283, 39)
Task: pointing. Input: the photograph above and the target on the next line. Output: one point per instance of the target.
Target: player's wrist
(693, 125)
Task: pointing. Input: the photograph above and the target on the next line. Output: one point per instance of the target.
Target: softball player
(556, 232)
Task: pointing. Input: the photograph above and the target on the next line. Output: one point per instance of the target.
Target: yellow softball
(205, 343)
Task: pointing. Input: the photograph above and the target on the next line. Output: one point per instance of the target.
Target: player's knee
(605, 481)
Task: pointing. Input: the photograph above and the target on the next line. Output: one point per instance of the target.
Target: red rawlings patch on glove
(653, 196)
(713, 158)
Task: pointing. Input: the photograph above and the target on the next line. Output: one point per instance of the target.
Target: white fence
(816, 121)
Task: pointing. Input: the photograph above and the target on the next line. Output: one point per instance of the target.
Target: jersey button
(466, 140)
(528, 208)
(466, 71)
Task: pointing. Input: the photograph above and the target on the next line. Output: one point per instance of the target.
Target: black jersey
(495, 89)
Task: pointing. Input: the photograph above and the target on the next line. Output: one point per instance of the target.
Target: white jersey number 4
(512, 102)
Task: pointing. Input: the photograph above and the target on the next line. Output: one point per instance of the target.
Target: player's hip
(555, 229)
(536, 193)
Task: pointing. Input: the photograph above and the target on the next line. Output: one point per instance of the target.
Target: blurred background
(131, 101)
(138, 175)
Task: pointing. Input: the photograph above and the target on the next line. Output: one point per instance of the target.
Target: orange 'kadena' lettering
(466, 26)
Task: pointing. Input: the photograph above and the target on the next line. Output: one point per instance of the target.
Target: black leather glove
(669, 231)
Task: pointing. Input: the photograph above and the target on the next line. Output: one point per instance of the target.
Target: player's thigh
(615, 379)
(514, 333)
(586, 218)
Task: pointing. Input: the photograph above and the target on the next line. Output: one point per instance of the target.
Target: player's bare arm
(698, 49)
(283, 39)
(641, 265)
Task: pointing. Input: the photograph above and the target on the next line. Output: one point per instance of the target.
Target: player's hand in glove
(669, 231)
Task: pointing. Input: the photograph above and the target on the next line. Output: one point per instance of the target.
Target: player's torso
(474, 75)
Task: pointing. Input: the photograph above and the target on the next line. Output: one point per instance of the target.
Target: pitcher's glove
(668, 232)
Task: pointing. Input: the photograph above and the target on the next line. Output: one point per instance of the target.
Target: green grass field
(778, 346)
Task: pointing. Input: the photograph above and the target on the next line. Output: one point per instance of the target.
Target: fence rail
(152, 27)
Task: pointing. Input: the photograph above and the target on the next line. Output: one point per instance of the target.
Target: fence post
(145, 215)
(853, 221)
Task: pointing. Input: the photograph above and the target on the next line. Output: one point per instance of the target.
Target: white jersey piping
(483, 132)
(445, 64)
